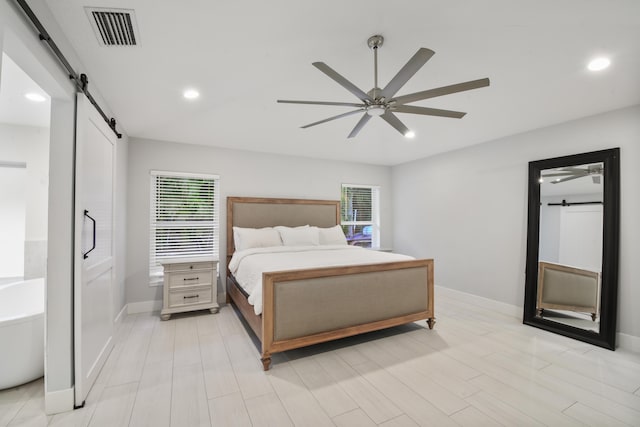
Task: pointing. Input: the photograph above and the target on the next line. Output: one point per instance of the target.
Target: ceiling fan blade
(444, 90)
(361, 95)
(557, 174)
(363, 121)
(333, 118)
(428, 111)
(569, 178)
(410, 68)
(391, 118)
(341, 104)
(575, 170)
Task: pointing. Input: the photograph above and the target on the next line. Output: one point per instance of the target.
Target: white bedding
(248, 265)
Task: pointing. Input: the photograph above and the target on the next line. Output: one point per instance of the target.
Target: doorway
(25, 111)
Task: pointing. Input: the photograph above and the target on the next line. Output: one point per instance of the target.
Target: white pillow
(247, 238)
(299, 236)
(332, 236)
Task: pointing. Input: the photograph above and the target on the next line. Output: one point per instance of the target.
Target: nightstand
(189, 284)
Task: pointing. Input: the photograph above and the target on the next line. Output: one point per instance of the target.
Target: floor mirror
(572, 246)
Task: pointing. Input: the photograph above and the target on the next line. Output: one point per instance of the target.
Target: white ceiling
(242, 56)
(14, 107)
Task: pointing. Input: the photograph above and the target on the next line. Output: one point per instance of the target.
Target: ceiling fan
(383, 102)
(570, 173)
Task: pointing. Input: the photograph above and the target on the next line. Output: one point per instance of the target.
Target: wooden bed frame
(307, 297)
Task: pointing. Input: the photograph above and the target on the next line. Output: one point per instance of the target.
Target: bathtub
(21, 332)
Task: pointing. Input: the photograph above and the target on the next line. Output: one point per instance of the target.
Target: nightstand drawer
(189, 297)
(190, 278)
(187, 266)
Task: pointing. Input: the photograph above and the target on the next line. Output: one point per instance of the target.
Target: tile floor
(476, 368)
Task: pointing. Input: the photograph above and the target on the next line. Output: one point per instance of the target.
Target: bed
(302, 307)
(562, 287)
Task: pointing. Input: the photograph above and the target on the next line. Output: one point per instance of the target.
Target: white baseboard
(120, 315)
(58, 401)
(144, 306)
(497, 306)
(628, 342)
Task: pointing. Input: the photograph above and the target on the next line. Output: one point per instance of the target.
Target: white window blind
(184, 218)
(360, 212)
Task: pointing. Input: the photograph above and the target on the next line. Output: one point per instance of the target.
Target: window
(184, 218)
(360, 215)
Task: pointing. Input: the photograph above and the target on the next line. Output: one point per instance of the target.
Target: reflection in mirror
(570, 245)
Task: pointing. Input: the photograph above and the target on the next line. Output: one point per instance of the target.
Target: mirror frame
(606, 337)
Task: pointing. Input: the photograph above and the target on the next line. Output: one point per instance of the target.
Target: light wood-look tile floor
(476, 368)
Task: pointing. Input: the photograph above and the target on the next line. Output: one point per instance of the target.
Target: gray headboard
(252, 212)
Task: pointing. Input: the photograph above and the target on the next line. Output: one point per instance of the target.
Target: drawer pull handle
(191, 296)
(191, 278)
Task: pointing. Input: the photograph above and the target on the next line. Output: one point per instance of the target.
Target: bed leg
(431, 322)
(266, 362)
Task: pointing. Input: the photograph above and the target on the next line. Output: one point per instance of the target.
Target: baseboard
(144, 306)
(497, 306)
(120, 315)
(58, 401)
(628, 342)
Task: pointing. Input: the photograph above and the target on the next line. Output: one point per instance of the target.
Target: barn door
(93, 249)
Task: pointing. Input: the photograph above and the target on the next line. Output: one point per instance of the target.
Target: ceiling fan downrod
(374, 42)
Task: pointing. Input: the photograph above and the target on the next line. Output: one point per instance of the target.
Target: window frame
(375, 213)
(156, 273)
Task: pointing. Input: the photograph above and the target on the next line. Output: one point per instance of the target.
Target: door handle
(86, 254)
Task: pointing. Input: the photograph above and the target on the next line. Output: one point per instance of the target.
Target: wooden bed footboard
(305, 307)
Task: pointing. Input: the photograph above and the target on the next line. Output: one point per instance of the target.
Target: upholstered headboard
(252, 212)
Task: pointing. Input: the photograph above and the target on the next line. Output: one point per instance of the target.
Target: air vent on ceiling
(114, 27)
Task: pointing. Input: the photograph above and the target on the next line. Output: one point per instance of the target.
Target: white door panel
(93, 259)
(581, 236)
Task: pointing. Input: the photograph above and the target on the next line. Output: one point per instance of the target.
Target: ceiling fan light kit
(382, 102)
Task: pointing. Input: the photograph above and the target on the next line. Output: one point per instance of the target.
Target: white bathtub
(21, 332)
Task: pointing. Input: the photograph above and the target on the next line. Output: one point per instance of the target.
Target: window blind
(184, 219)
(359, 214)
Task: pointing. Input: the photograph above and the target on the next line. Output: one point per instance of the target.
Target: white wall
(241, 173)
(30, 145)
(120, 218)
(12, 207)
(468, 209)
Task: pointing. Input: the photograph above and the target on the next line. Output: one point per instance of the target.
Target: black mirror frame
(606, 337)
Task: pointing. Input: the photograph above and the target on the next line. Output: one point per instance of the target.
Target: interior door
(93, 249)
(581, 236)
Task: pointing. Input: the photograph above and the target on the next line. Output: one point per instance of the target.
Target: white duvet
(248, 265)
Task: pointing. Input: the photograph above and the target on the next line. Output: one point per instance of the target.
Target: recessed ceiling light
(410, 134)
(599, 64)
(35, 97)
(191, 94)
